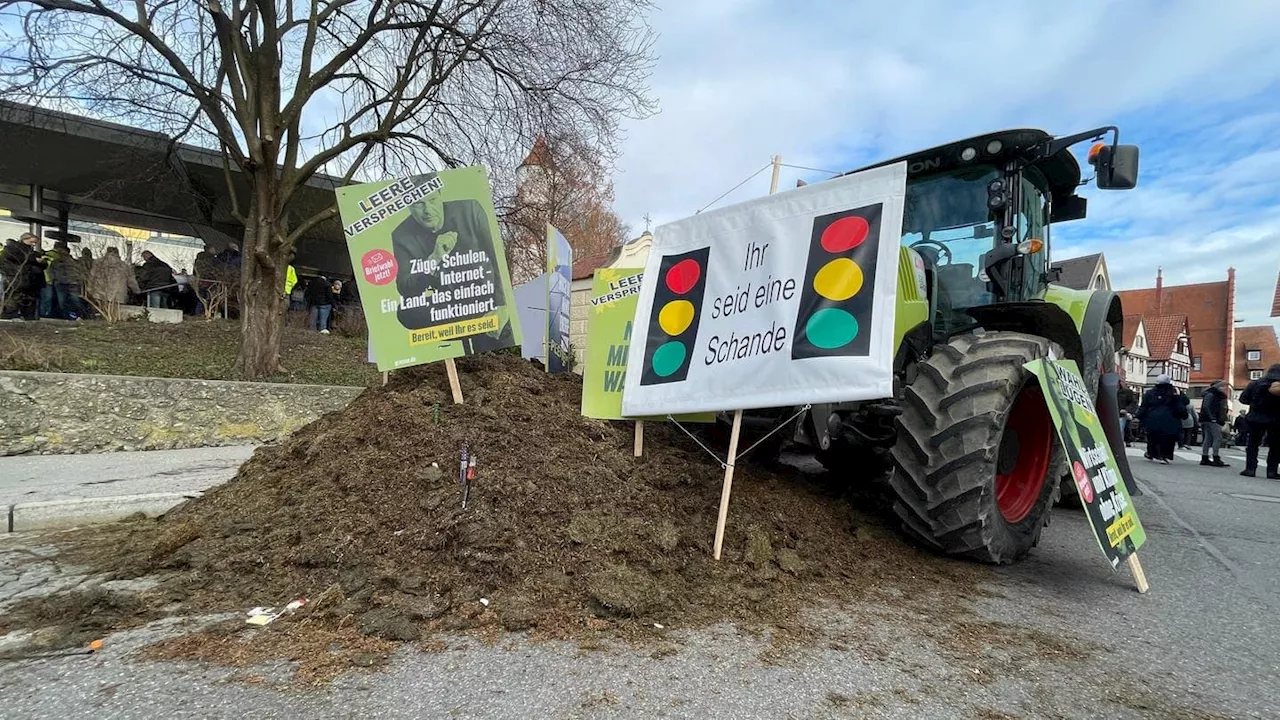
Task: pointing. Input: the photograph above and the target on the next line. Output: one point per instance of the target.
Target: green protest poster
(430, 266)
(1093, 467)
(610, 316)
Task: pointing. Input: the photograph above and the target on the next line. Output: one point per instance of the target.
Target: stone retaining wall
(66, 413)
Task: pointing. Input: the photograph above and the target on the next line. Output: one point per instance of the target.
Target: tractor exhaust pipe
(1108, 407)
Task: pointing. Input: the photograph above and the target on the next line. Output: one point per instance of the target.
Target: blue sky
(837, 84)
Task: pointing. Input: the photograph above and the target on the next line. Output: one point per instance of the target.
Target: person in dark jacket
(321, 298)
(59, 275)
(7, 279)
(1187, 438)
(1213, 416)
(24, 273)
(1161, 414)
(1263, 398)
(228, 261)
(155, 277)
(1241, 426)
(206, 264)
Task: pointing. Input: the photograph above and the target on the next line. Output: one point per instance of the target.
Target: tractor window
(947, 222)
(1031, 225)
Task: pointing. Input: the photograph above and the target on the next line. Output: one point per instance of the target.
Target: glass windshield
(947, 222)
(1031, 269)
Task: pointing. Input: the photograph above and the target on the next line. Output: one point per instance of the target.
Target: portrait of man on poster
(435, 229)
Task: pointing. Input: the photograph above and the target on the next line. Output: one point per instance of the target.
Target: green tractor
(967, 444)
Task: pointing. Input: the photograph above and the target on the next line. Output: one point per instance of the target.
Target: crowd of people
(54, 283)
(1167, 421)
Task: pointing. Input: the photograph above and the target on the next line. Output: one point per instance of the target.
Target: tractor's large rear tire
(977, 460)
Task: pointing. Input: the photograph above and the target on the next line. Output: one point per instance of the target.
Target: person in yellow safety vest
(290, 279)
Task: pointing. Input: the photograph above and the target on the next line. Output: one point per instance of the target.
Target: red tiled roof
(1162, 334)
(1275, 301)
(1130, 329)
(1261, 338)
(1208, 309)
(586, 267)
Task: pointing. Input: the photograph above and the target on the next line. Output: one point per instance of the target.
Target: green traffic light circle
(668, 358)
(829, 328)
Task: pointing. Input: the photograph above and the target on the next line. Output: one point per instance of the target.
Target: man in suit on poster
(434, 229)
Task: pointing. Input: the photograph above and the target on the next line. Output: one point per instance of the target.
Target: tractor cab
(978, 213)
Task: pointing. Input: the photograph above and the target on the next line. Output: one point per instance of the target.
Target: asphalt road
(1203, 643)
(31, 478)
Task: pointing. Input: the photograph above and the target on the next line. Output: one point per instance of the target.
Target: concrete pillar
(37, 208)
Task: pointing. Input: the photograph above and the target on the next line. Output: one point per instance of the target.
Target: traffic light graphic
(674, 317)
(836, 299)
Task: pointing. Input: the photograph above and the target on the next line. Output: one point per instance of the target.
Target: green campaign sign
(1093, 467)
(610, 319)
(431, 267)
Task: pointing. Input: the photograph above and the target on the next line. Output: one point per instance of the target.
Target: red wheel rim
(1030, 430)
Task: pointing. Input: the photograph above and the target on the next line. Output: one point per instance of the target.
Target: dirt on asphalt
(565, 534)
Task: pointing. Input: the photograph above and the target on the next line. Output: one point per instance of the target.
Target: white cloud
(836, 85)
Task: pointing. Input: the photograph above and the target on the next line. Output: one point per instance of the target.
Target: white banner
(780, 301)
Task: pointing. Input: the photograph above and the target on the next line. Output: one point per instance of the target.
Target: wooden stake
(728, 481)
(639, 438)
(454, 386)
(384, 377)
(1139, 577)
(727, 489)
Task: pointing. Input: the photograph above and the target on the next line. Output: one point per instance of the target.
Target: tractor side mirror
(1117, 167)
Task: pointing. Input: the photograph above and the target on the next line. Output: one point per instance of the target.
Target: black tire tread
(949, 436)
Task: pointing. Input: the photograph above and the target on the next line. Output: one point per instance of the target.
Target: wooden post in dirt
(1139, 577)
(728, 482)
(385, 375)
(727, 488)
(454, 386)
(639, 449)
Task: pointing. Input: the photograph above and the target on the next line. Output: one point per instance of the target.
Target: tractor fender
(1074, 319)
(1102, 314)
(1034, 318)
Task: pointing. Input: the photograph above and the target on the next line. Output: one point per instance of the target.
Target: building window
(1139, 343)
(1195, 363)
(1254, 355)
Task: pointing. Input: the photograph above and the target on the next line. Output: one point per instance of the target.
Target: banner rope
(802, 167)
(781, 425)
(695, 439)
(735, 187)
(753, 446)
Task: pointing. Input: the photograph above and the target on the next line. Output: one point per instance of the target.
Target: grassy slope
(192, 349)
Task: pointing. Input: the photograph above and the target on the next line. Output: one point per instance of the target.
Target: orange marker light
(1030, 247)
(1093, 152)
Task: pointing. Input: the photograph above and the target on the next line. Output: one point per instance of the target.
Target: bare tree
(214, 296)
(359, 89)
(565, 181)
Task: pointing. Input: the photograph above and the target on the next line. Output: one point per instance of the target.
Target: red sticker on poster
(379, 267)
(1082, 482)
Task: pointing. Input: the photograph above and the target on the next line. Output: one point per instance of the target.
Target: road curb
(54, 514)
